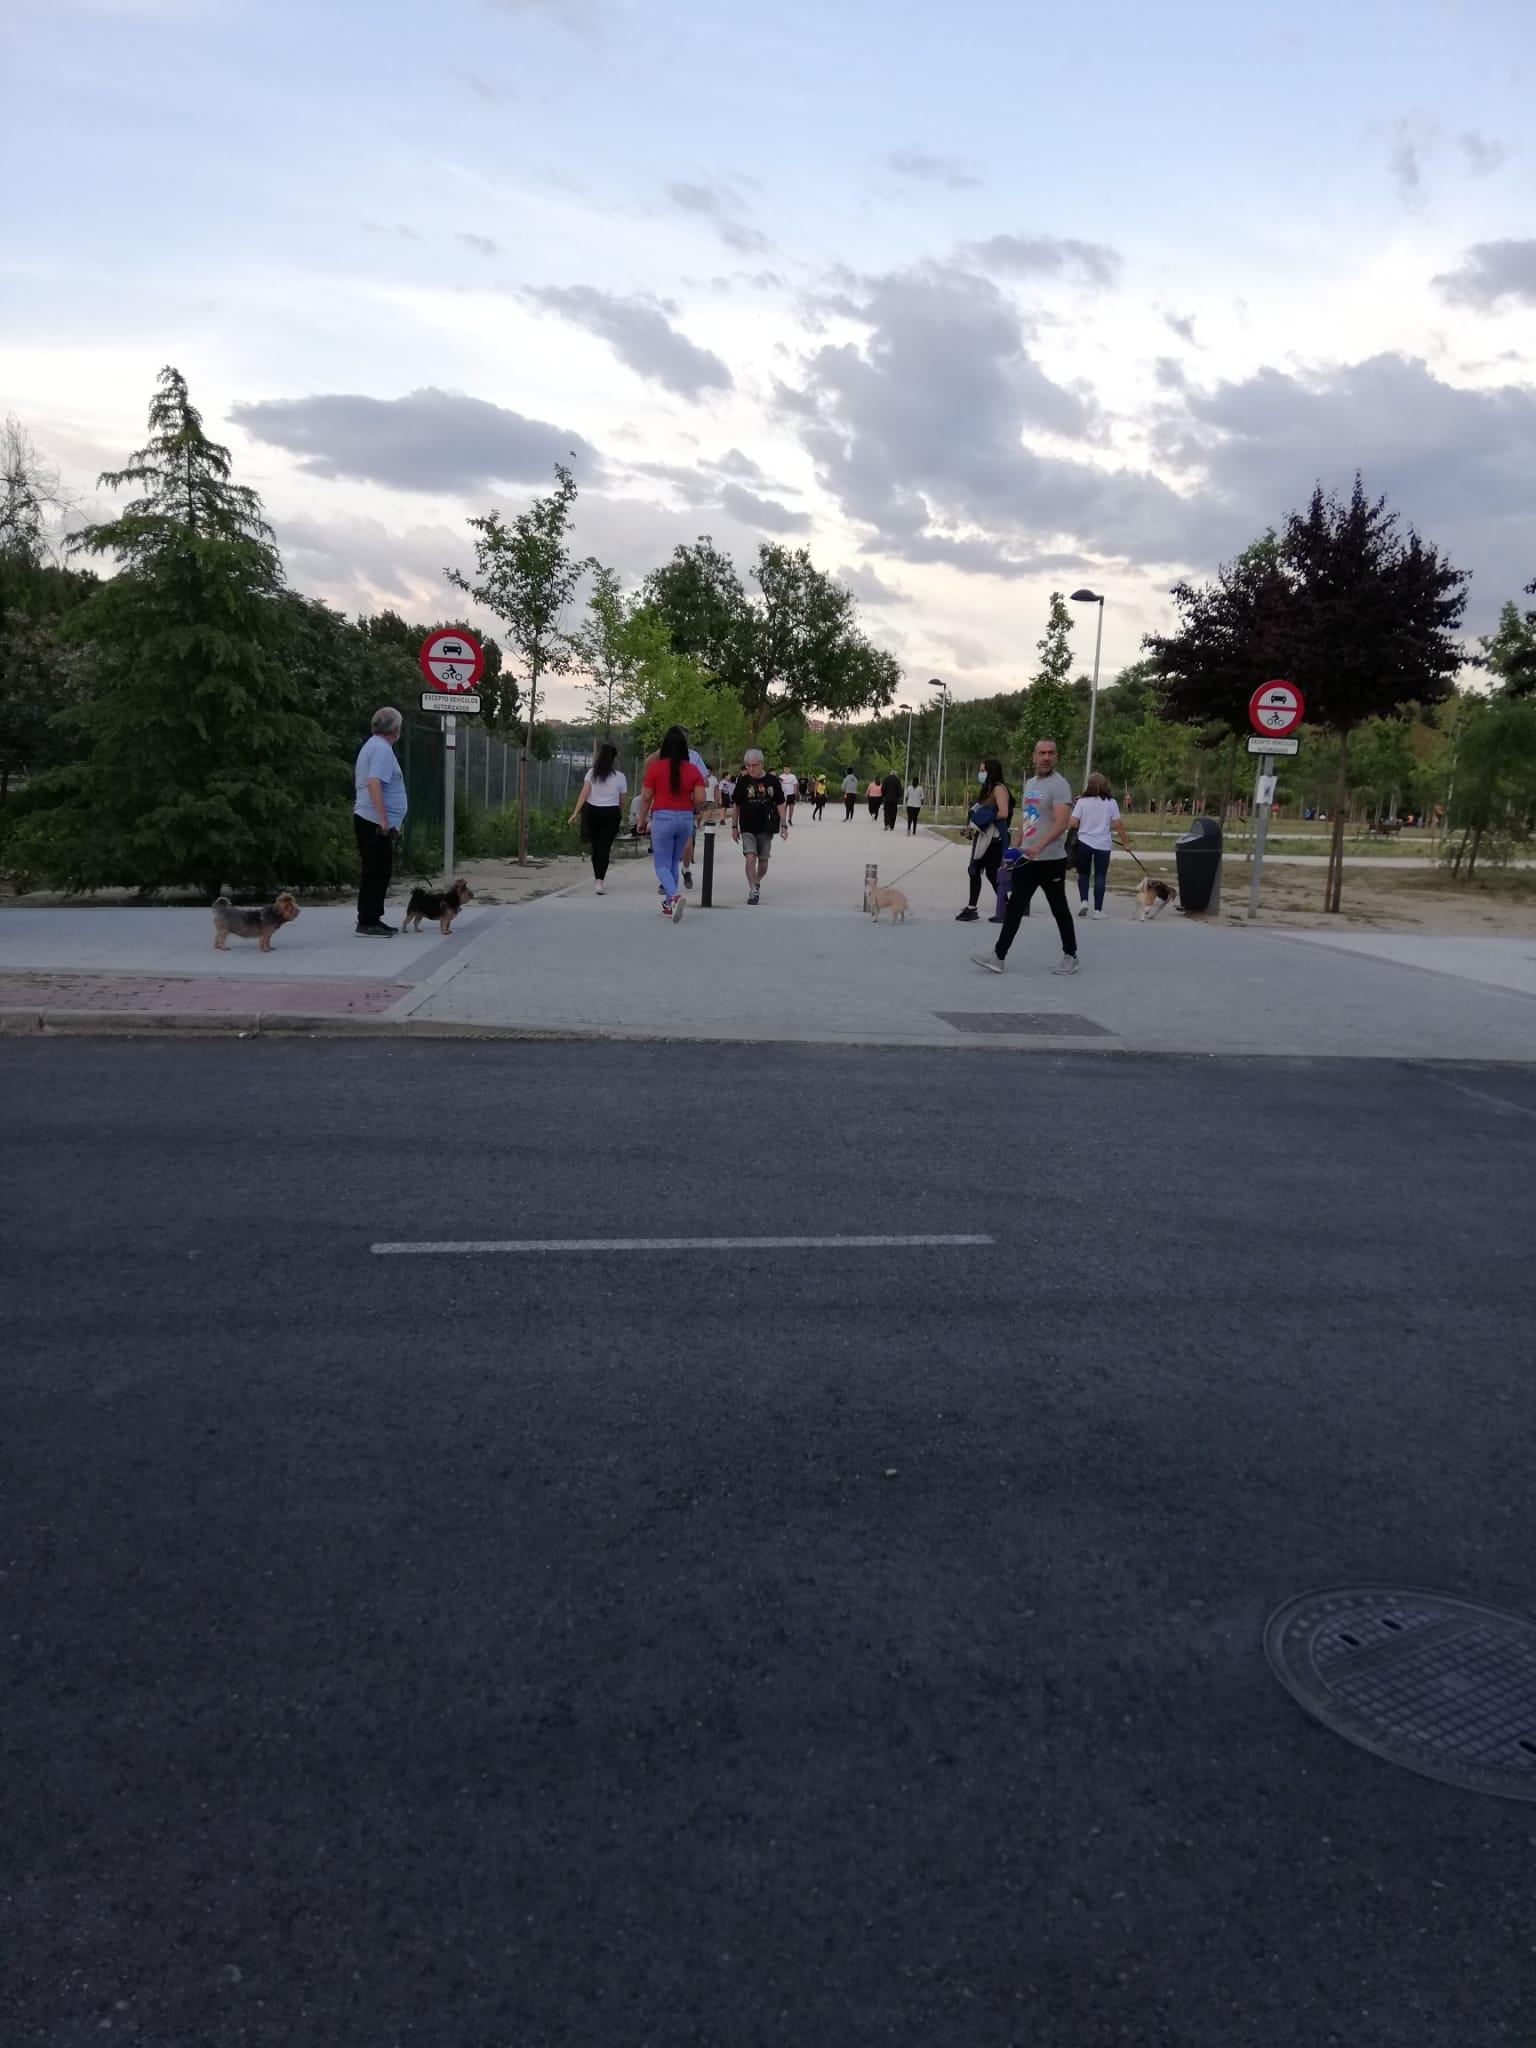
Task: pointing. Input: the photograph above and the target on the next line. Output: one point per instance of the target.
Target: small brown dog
(1155, 896)
(258, 924)
(442, 907)
(876, 900)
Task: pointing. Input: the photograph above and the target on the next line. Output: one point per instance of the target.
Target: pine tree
(202, 762)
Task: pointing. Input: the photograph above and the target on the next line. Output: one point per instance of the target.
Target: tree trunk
(1477, 840)
(1333, 888)
(1231, 777)
(1461, 852)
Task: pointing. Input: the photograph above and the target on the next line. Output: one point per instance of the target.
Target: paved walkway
(805, 966)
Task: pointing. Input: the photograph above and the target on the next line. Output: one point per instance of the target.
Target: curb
(65, 1023)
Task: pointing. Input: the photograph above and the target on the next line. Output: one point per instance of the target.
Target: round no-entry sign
(451, 661)
(1275, 708)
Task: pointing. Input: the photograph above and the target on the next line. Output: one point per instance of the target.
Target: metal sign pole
(1260, 830)
(450, 744)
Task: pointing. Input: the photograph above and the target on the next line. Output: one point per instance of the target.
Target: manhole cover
(1441, 1686)
(1023, 1023)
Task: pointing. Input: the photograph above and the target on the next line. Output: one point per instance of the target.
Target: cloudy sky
(976, 300)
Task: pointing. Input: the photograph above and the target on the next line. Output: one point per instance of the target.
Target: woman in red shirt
(669, 791)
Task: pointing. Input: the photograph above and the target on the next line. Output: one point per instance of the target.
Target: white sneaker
(1082, 908)
(1067, 964)
(988, 960)
(599, 888)
(679, 904)
(1098, 913)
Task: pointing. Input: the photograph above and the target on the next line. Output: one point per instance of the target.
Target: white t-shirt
(789, 782)
(914, 797)
(607, 794)
(1093, 816)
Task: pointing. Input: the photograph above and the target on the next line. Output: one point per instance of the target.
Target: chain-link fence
(485, 769)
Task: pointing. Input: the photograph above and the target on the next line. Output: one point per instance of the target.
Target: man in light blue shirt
(378, 812)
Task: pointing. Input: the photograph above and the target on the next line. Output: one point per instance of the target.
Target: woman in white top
(600, 807)
(1096, 815)
(914, 803)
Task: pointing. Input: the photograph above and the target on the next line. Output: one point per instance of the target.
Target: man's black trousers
(1050, 878)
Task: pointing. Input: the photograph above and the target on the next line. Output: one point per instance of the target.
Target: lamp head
(1086, 597)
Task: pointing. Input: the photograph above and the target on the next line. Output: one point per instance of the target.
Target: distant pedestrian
(1040, 834)
(818, 796)
(989, 821)
(378, 812)
(890, 799)
(850, 794)
(873, 794)
(760, 817)
(600, 808)
(790, 783)
(913, 799)
(1096, 815)
(669, 792)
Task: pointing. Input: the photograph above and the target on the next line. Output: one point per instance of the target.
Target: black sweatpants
(889, 807)
(1050, 877)
(848, 803)
(376, 852)
(912, 811)
(602, 823)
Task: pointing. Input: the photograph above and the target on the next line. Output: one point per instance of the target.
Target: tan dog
(892, 900)
(258, 924)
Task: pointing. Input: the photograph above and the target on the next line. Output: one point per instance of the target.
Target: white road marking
(673, 1244)
(1499, 1104)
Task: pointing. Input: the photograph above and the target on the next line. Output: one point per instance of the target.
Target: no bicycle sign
(452, 660)
(1275, 709)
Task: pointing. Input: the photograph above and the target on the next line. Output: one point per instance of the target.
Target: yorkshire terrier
(258, 924)
(442, 907)
(1155, 896)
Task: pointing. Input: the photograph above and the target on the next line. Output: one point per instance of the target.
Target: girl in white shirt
(600, 807)
(1096, 815)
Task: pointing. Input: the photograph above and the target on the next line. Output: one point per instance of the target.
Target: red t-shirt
(658, 780)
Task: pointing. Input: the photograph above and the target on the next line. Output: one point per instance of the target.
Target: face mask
(981, 774)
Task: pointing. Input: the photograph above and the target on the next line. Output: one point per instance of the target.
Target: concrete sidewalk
(803, 966)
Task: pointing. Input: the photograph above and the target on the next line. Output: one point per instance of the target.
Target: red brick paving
(212, 995)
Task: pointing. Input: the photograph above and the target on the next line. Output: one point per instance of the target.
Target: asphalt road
(770, 1647)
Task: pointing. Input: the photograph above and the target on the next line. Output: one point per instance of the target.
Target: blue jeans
(1094, 859)
(670, 833)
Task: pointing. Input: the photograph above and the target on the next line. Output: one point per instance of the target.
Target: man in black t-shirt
(757, 814)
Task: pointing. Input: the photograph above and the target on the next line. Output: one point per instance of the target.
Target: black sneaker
(966, 916)
(377, 931)
(687, 878)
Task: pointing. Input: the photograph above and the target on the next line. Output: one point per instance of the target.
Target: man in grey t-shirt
(1041, 818)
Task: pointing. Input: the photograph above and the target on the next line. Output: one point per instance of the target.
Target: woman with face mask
(989, 821)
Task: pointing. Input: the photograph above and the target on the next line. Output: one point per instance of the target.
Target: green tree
(1509, 653)
(1494, 802)
(794, 646)
(606, 650)
(1051, 706)
(526, 575)
(201, 760)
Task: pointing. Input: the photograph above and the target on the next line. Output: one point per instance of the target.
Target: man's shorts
(758, 843)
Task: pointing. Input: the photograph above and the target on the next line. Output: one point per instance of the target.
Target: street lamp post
(908, 710)
(943, 690)
(1092, 597)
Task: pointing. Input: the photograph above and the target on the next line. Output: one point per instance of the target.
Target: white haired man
(758, 812)
(378, 812)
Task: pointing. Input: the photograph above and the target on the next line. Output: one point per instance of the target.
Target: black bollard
(707, 891)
